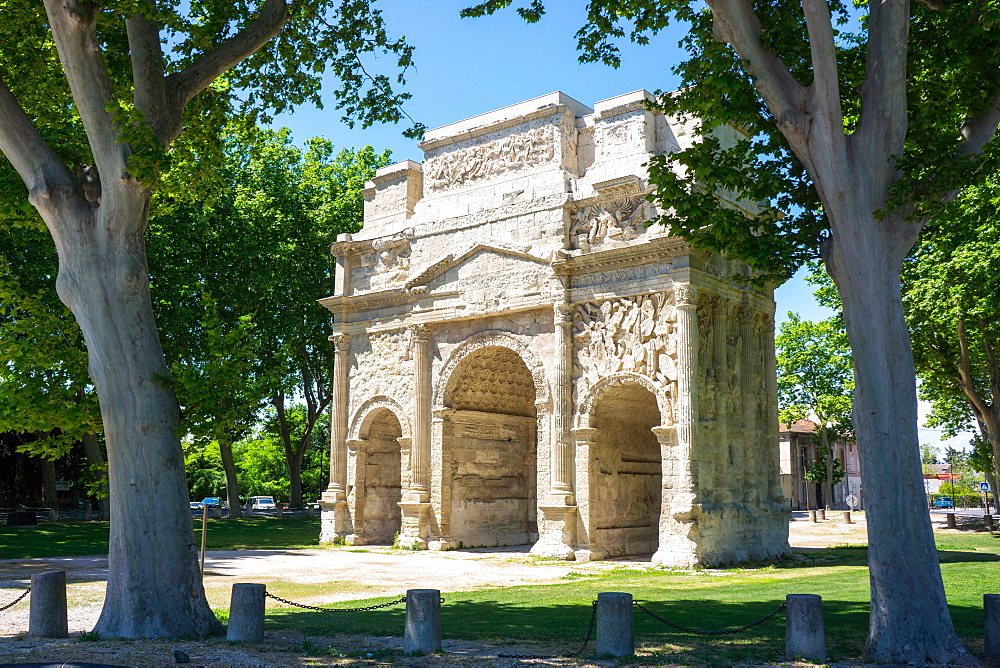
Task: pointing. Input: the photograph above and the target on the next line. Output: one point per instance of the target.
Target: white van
(262, 503)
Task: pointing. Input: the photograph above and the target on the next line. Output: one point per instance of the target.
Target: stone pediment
(425, 275)
(487, 278)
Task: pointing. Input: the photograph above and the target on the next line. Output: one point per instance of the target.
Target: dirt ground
(348, 573)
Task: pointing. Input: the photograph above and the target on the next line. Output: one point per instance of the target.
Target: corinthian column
(687, 398)
(336, 523)
(420, 452)
(338, 427)
(562, 446)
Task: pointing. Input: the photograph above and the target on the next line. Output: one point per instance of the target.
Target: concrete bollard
(991, 625)
(950, 520)
(217, 512)
(246, 613)
(310, 511)
(847, 517)
(822, 514)
(281, 509)
(53, 514)
(805, 636)
(812, 516)
(88, 514)
(988, 522)
(614, 624)
(422, 631)
(47, 612)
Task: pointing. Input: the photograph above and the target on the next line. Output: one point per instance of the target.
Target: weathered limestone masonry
(520, 360)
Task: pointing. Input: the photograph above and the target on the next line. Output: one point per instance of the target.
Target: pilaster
(586, 447)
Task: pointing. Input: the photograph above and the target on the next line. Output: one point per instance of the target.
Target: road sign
(984, 487)
(852, 501)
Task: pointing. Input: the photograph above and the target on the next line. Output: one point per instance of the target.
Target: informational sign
(62, 485)
(852, 501)
(984, 487)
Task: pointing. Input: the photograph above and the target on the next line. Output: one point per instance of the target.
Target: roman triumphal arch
(521, 360)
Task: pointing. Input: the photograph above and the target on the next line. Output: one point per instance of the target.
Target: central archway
(489, 450)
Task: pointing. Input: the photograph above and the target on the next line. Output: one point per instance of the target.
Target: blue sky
(465, 67)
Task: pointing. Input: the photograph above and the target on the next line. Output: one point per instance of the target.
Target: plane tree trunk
(232, 483)
(902, 555)
(154, 585)
(852, 175)
(95, 457)
(97, 223)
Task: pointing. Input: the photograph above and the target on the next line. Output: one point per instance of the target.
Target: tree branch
(882, 125)
(991, 363)
(74, 26)
(43, 172)
(735, 22)
(978, 130)
(976, 402)
(193, 79)
(150, 95)
(826, 80)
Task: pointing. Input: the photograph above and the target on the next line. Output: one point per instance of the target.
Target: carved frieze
(381, 365)
(515, 152)
(630, 334)
(604, 223)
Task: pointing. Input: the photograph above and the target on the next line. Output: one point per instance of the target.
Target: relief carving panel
(607, 222)
(515, 152)
(630, 334)
(381, 364)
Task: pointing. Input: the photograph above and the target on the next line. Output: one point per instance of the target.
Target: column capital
(341, 342)
(665, 434)
(745, 314)
(564, 313)
(685, 295)
(420, 333)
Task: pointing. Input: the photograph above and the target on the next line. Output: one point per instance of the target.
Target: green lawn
(79, 539)
(557, 615)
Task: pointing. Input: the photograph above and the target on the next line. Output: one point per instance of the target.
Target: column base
(336, 523)
(414, 526)
(442, 543)
(557, 532)
(676, 556)
(588, 554)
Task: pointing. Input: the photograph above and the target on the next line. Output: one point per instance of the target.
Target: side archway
(377, 470)
(625, 482)
(366, 413)
(585, 409)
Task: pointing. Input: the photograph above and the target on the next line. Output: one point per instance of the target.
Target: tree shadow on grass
(857, 555)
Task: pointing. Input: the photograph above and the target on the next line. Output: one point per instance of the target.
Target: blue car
(944, 502)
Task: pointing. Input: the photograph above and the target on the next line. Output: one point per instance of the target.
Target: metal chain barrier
(16, 600)
(401, 599)
(709, 633)
(579, 652)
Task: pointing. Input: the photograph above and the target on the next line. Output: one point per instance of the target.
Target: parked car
(196, 505)
(262, 503)
(944, 502)
(213, 501)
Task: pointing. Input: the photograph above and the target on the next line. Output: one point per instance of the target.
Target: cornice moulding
(544, 112)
